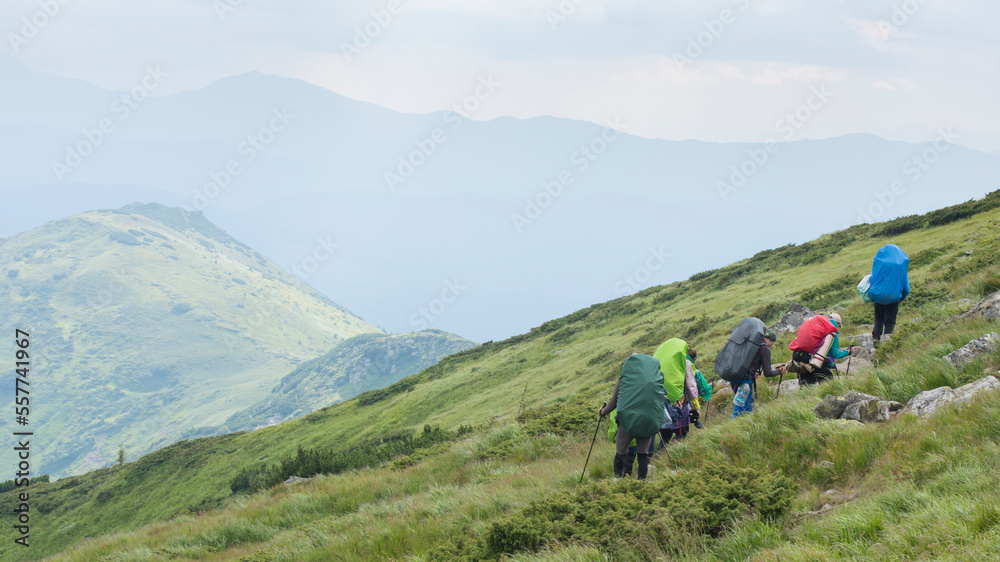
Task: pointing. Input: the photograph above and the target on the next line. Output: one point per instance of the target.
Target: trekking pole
(599, 418)
(781, 377)
(849, 357)
(667, 451)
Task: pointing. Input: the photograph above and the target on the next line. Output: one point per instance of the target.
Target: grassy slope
(558, 373)
(125, 333)
(362, 363)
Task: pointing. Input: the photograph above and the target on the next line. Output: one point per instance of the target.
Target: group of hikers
(664, 394)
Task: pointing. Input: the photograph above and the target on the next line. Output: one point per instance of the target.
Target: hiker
(760, 364)
(680, 386)
(812, 349)
(639, 393)
(889, 285)
(704, 391)
(837, 352)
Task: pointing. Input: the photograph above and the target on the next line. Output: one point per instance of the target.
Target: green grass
(904, 489)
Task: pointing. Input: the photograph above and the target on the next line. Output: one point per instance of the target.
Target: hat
(769, 334)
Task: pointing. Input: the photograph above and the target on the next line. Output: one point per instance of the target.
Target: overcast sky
(720, 70)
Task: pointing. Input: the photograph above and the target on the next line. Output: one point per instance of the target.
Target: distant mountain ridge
(589, 201)
(362, 363)
(150, 321)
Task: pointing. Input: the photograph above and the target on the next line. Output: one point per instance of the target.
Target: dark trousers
(885, 319)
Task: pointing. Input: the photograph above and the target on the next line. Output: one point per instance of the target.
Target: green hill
(148, 322)
(479, 456)
(362, 363)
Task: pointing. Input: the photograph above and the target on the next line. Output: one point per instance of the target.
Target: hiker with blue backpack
(746, 355)
(888, 285)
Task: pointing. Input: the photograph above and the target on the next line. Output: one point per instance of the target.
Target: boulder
(975, 348)
(858, 407)
(988, 308)
(930, 401)
(872, 410)
(964, 394)
(832, 407)
(790, 322)
(789, 386)
(862, 341)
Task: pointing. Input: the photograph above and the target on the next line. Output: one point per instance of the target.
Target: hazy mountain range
(471, 235)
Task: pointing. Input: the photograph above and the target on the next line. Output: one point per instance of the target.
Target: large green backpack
(641, 396)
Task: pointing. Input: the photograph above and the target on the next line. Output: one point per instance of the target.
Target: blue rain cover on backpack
(889, 282)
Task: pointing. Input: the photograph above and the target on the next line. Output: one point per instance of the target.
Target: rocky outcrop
(930, 401)
(790, 322)
(988, 308)
(857, 406)
(975, 348)
(789, 386)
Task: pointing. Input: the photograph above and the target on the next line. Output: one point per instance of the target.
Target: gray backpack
(733, 362)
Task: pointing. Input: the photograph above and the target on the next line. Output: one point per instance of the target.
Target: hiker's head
(692, 353)
(770, 337)
(836, 318)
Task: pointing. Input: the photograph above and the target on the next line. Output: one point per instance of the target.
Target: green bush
(651, 520)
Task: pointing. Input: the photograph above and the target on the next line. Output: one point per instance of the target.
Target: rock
(964, 394)
(988, 308)
(930, 401)
(832, 407)
(927, 402)
(862, 341)
(975, 348)
(863, 411)
(857, 363)
(826, 465)
(858, 407)
(790, 322)
(872, 410)
(789, 386)
(295, 480)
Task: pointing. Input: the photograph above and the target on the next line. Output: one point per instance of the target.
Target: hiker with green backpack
(680, 385)
(638, 404)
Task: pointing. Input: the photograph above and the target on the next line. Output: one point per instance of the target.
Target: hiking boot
(643, 469)
(698, 425)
